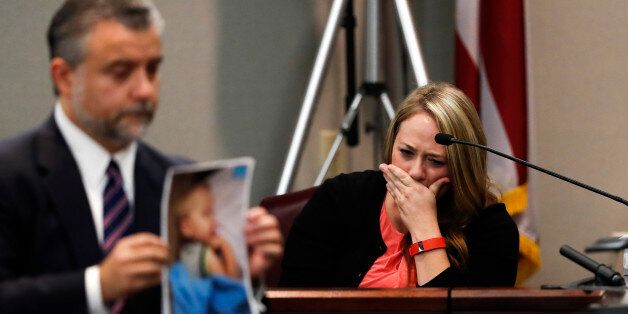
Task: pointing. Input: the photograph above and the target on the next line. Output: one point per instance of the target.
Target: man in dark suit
(57, 252)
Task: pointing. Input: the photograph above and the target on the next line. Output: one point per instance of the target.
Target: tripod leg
(346, 125)
(383, 97)
(313, 87)
(410, 39)
(349, 24)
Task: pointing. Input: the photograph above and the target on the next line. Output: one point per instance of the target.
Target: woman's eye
(436, 162)
(406, 152)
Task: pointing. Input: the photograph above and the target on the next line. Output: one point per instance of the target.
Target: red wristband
(427, 245)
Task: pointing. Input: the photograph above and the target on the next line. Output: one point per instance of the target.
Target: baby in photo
(205, 276)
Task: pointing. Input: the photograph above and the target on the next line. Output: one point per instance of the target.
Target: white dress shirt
(92, 160)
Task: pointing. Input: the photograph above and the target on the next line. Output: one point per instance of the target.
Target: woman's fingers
(400, 176)
(397, 177)
(440, 186)
(394, 183)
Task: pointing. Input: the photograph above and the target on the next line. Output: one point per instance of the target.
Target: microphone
(603, 273)
(448, 139)
(444, 139)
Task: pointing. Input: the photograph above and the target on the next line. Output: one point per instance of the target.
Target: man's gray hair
(75, 19)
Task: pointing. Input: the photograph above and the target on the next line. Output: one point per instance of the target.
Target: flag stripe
(490, 68)
(501, 170)
(502, 49)
(467, 74)
(467, 27)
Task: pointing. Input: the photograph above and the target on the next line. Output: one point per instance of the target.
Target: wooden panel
(522, 299)
(429, 300)
(360, 300)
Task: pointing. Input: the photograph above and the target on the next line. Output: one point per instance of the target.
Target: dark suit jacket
(47, 234)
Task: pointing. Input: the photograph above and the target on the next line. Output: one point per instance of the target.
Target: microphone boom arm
(549, 172)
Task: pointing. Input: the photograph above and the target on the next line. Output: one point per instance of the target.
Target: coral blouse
(391, 269)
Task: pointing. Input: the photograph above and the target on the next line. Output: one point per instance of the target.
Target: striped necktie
(118, 216)
(117, 219)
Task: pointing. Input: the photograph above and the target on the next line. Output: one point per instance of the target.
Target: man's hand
(134, 264)
(263, 239)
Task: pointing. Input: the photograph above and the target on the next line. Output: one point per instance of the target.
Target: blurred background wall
(235, 74)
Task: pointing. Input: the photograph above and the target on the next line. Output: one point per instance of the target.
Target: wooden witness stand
(434, 300)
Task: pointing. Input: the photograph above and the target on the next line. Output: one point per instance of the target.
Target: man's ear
(62, 76)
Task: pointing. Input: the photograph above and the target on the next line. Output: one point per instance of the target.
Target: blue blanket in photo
(213, 294)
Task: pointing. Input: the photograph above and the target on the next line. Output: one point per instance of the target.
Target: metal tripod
(372, 85)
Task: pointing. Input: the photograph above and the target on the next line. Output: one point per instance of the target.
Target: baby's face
(198, 223)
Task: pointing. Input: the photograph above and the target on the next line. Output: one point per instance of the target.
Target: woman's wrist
(426, 245)
(425, 230)
(424, 235)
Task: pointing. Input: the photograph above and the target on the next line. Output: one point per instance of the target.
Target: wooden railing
(432, 300)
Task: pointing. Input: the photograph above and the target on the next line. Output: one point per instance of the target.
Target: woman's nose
(417, 171)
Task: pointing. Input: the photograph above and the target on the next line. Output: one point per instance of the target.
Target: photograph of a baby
(197, 244)
(205, 240)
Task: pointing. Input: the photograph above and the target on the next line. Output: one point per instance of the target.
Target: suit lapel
(62, 180)
(149, 178)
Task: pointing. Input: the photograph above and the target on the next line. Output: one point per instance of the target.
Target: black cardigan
(336, 239)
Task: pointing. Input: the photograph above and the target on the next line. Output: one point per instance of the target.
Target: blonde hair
(469, 190)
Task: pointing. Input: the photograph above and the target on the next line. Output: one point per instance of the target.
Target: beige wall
(578, 60)
(188, 96)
